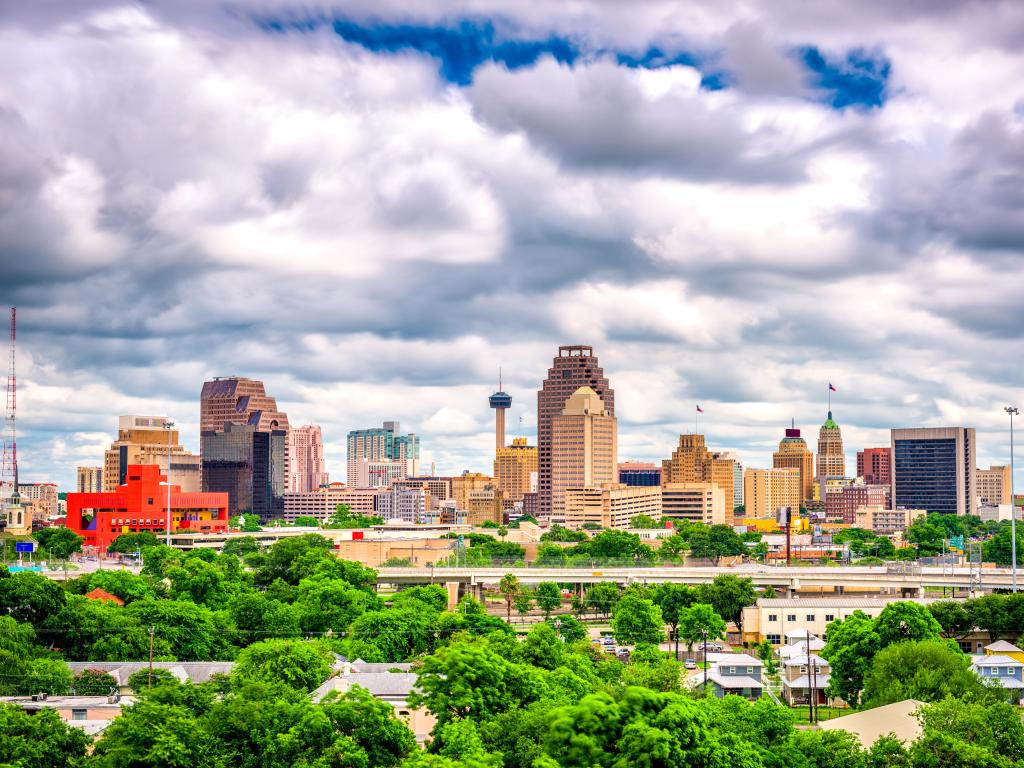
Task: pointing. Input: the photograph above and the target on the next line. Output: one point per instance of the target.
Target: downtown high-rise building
(381, 444)
(515, 469)
(89, 480)
(692, 462)
(306, 470)
(575, 366)
(793, 453)
(766, 491)
(244, 445)
(993, 486)
(149, 440)
(584, 448)
(934, 468)
(874, 466)
(831, 461)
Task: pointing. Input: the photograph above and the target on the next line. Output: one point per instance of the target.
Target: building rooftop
(804, 681)
(732, 682)
(1001, 646)
(382, 685)
(995, 660)
(736, 660)
(837, 602)
(868, 726)
(194, 671)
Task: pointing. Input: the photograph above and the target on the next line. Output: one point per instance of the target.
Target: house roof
(102, 594)
(382, 685)
(840, 602)
(800, 634)
(897, 718)
(1001, 646)
(732, 682)
(799, 661)
(995, 660)
(736, 660)
(804, 681)
(801, 648)
(195, 671)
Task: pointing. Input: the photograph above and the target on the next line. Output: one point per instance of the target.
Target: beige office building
(90, 480)
(831, 462)
(515, 469)
(993, 486)
(692, 462)
(876, 518)
(584, 448)
(793, 453)
(765, 490)
(307, 471)
(323, 502)
(463, 485)
(485, 505)
(144, 440)
(695, 502)
(613, 506)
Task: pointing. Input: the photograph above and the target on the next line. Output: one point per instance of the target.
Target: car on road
(690, 664)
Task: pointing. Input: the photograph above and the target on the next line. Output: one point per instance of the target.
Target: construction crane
(9, 467)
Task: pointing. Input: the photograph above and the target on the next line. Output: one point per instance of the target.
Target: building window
(772, 618)
(810, 617)
(732, 670)
(774, 639)
(750, 670)
(791, 617)
(830, 617)
(803, 670)
(79, 714)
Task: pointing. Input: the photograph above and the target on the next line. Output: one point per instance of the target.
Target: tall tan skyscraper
(90, 480)
(831, 462)
(144, 440)
(575, 367)
(692, 462)
(306, 454)
(515, 469)
(793, 453)
(584, 448)
(765, 490)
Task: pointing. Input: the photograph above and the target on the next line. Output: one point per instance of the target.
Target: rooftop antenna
(9, 468)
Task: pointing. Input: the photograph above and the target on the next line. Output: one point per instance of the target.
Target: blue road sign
(24, 546)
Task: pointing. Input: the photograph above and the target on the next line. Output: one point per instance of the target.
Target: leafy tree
(991, 613)
(904, 620)
(716, 542)
(433, 596)
(673, 599)
(46, 675)
(850, 648)
(551, 556)
(602, 597)
(614, 546)
(306, 521)
(509, 587)
(39, 740)
(469, 679)
(569, 629)
(999, 548)
(59, 542)
(257, 616)
(636, 621)
(152, 734)
(93, 682)
(371, 724)
(766, 654)
(199, 582)
(331, 604)
(523, 602)
(190, 630)
(344, 518)
(240, 546)
(728, 595)
(122, 584)
(130, 543)
(30, 597)
(247, 523)
(541, 647)
(672, 547)
(645, 521)
(293, 558)
(558, 533)
(97, 630)
(953, 618)
(698, 619)
(927, 535)
(396, 635)
(961, 727)
(548, 597)
(926, 670)
(142, 680)
(292, 663)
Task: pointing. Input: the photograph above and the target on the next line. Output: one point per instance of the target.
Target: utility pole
(168, 425)
(152, 630)
(704, 636)
(1012, 411)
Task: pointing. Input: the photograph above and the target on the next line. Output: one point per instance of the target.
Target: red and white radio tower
(9, 469)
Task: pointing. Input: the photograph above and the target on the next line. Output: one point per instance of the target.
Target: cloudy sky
(372, 205)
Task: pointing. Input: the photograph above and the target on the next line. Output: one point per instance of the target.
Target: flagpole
(830, 397)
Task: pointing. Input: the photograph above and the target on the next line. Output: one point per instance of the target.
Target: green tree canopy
(60, 543)
(39, 740)
(850, 648)
(130, 543)
(905, 620)
(636, 621)
(548, 596)
(292, 663)
(697, 620)
(926, 670)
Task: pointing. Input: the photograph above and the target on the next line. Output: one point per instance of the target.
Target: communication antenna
(9, 468)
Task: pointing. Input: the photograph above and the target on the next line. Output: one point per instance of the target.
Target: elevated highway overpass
(905, 581)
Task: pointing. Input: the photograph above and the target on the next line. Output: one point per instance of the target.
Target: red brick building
(875, 466)
(842, 503)
(141, 505)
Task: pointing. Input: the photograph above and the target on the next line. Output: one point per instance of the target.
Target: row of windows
(994, 671)
(732, 670)
(791, 617)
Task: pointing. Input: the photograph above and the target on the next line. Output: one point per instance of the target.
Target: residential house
(91, 714)
(798, 679)
(1003, 648)
(738, 674)
(192, 671)
(1005, 671)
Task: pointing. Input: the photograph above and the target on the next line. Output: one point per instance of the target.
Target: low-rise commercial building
(880, 520)
(323, 502)
(695, 502)
(613, 506)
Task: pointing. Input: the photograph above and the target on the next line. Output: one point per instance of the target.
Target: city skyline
(405, 202)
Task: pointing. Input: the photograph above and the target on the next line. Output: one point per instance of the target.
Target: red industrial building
(874, 465)
(141, 505)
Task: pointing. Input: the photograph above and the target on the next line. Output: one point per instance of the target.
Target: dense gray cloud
(185, 195)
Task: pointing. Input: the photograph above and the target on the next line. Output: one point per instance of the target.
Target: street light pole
(168, 425)
(704, 635)
(1012, 411)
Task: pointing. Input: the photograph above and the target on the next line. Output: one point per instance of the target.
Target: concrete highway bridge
(904, 580)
